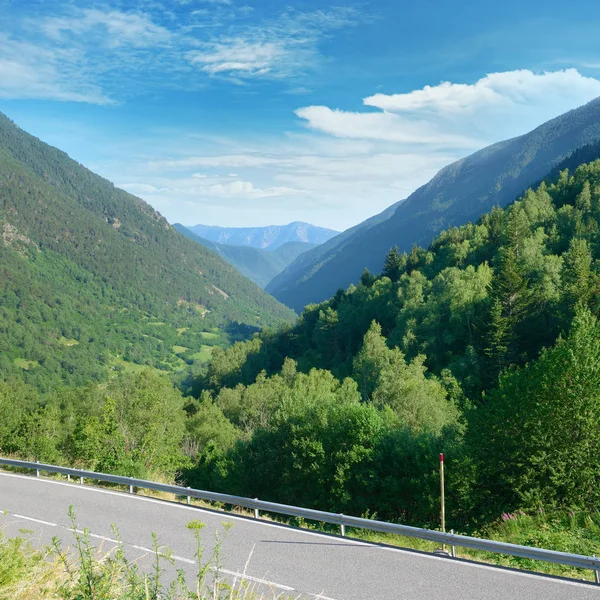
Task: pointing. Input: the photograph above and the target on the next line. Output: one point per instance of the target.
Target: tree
(584, 199)
(509, 303)
(393, 265)
(390, 382)
(536, 440)
(577, 274)
(366, 278)
(370, 361)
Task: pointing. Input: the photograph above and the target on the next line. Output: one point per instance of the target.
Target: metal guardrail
(449, 539)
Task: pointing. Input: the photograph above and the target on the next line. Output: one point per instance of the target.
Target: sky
(258, 112)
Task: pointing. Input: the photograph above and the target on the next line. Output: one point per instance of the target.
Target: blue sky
(256, 112)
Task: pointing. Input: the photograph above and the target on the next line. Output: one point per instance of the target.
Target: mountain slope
(88, 265)
(457, 194)
(269, 237)
(309, 262)
(256, 264)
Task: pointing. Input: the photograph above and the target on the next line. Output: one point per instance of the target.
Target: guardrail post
(453, 547)
(130, 489)
(256, 511)
(81, 480)
(68, 477)
(342, 526)
(37, 471)
(596, 573)
(189, 500)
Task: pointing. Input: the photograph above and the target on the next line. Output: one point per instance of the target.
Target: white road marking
(347, 541)
(246, 577)
(102, 537)
(240, 576)
(35, 520)
(185, 560)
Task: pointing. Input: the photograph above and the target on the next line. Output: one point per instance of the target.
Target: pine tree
(510, 305)
(584, 199)
(366, 278)
(392, 267)
(577, 274)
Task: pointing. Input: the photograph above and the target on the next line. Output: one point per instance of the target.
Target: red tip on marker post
(441, 457)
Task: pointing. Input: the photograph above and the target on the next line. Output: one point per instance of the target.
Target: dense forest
(94, 281)
(484, 346)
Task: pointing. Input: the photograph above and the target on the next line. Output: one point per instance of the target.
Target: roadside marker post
(442, 497)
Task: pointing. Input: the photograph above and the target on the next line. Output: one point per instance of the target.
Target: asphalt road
(280, 560)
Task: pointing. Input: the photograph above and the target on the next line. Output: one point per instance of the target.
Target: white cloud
(498, 106)
(142, 188)
(346, 166)
(238, 56)
(378, 126)
(116, 27)
(497, 91)
(31, 71)
(283, 46)
(247, 190)
(223, 161)
(97, 52)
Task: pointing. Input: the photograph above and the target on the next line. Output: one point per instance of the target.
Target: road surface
(289, 562)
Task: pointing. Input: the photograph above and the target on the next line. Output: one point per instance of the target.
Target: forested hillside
(484, 346)
(443, 351)
(459, 193)
(93, 280)
(257, 264)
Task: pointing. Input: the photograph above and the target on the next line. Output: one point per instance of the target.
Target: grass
(209, 335)
(572, 533)
(86, 573)
(179, 349)
(26, 365)
(131, 367)
(203, 354)
(67, 341)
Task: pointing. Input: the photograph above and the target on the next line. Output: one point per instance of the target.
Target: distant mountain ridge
(459, 193)
(257, 264)
(269, 237)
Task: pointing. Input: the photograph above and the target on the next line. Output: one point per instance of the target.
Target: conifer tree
(577, 273)
(366, 278)
(392, 267)
(584, 199)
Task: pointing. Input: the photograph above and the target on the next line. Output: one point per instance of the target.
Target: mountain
(256, 264)
(459, 193)
(93, 279)
(269, 237)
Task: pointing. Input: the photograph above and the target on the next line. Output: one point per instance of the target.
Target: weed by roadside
(82, 572)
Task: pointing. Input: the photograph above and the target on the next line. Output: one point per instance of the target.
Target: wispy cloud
(28, 70)
(101, 52)
(116, 28)
(283, 46)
